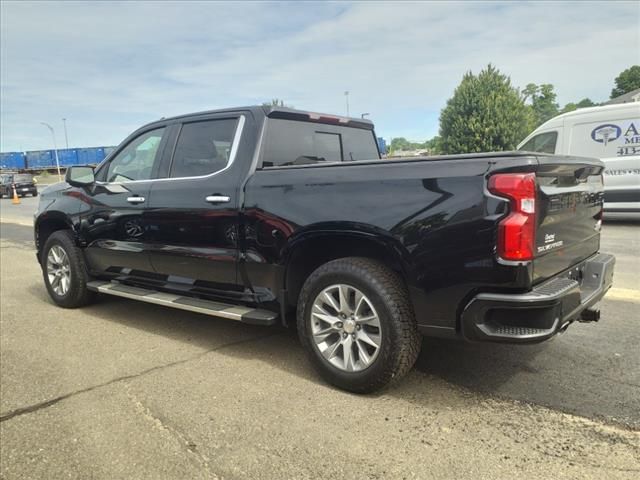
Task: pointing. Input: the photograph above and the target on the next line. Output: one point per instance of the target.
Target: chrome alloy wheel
(346, 328)
(58, 270)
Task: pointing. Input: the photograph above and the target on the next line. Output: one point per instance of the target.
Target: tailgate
(569, 204)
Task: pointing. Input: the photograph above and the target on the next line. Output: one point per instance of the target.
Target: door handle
(217, 199)
(135, 199)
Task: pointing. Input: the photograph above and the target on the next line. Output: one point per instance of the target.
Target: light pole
(346, 96)
(55, 147)
(66, 139)
(364, 115)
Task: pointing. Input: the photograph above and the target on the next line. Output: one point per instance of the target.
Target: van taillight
(517, 231)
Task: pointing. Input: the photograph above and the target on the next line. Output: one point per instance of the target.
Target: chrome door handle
(135, 199)
(217, 199)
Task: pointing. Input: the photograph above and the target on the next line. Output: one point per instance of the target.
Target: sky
(110, 67)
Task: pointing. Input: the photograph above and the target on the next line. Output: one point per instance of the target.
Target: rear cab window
(294, 142)
(542, 143)
(23, 178)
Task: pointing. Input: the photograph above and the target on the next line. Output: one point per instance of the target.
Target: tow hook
(590, 315)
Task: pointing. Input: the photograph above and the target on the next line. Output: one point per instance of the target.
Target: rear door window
(542, 143)
(203, 148)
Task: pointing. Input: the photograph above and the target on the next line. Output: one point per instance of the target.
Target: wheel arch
(313, 247)
(48, 223)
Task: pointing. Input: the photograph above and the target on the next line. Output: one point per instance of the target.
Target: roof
(588, 110)
(276, 112)
(632, 96)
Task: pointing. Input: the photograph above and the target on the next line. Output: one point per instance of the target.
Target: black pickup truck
(20, 183)
(275, 216)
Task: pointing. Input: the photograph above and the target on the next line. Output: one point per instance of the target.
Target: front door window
(136, 160)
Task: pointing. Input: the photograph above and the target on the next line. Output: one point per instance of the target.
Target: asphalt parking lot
(122, 389)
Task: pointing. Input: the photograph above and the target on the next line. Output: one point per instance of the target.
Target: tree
(434, 145)
(627, 81)
(399, 143)
(486, 113)
(543, 101)
(585, 102)
(276, 102)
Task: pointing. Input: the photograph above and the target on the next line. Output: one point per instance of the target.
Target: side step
(243, 314)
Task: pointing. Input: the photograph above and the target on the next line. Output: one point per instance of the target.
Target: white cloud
(109, 67)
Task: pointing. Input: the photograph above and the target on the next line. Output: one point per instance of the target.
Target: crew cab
(269, 215)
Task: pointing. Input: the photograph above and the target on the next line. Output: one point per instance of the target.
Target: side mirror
(80, 176)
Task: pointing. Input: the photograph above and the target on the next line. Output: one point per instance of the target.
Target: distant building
(629, 97)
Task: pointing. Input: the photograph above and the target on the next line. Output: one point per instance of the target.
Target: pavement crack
(48, 403)
(186, 443)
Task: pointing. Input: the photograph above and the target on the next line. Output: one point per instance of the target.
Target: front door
(112, 221)
(193, 214)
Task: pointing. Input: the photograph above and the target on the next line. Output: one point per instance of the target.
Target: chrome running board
(239, 313)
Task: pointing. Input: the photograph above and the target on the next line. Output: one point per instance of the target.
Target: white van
(610, 133)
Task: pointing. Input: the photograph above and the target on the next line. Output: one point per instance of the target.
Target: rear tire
(354, 281)
(64, 271)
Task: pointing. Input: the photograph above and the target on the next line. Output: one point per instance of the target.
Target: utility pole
(55, 148)
(346, 96)
(66, 139)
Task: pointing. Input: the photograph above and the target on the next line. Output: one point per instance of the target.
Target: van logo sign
(606, 133)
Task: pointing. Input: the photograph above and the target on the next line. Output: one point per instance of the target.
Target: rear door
(112, 224)
(570, 200)
(193, 214)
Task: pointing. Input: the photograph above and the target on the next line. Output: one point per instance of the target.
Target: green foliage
(401, 143)
(627, 81)
(434, 145)
(585, 102)
(486, 113)
(276, 102)
(543, 101)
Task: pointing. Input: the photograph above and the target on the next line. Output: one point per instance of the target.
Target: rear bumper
(26, 189)
(538, 315)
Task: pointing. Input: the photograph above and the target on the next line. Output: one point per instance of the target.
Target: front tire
(64, 271)
(356, 323)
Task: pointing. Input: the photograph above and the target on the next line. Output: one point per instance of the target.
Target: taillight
(517, 231)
